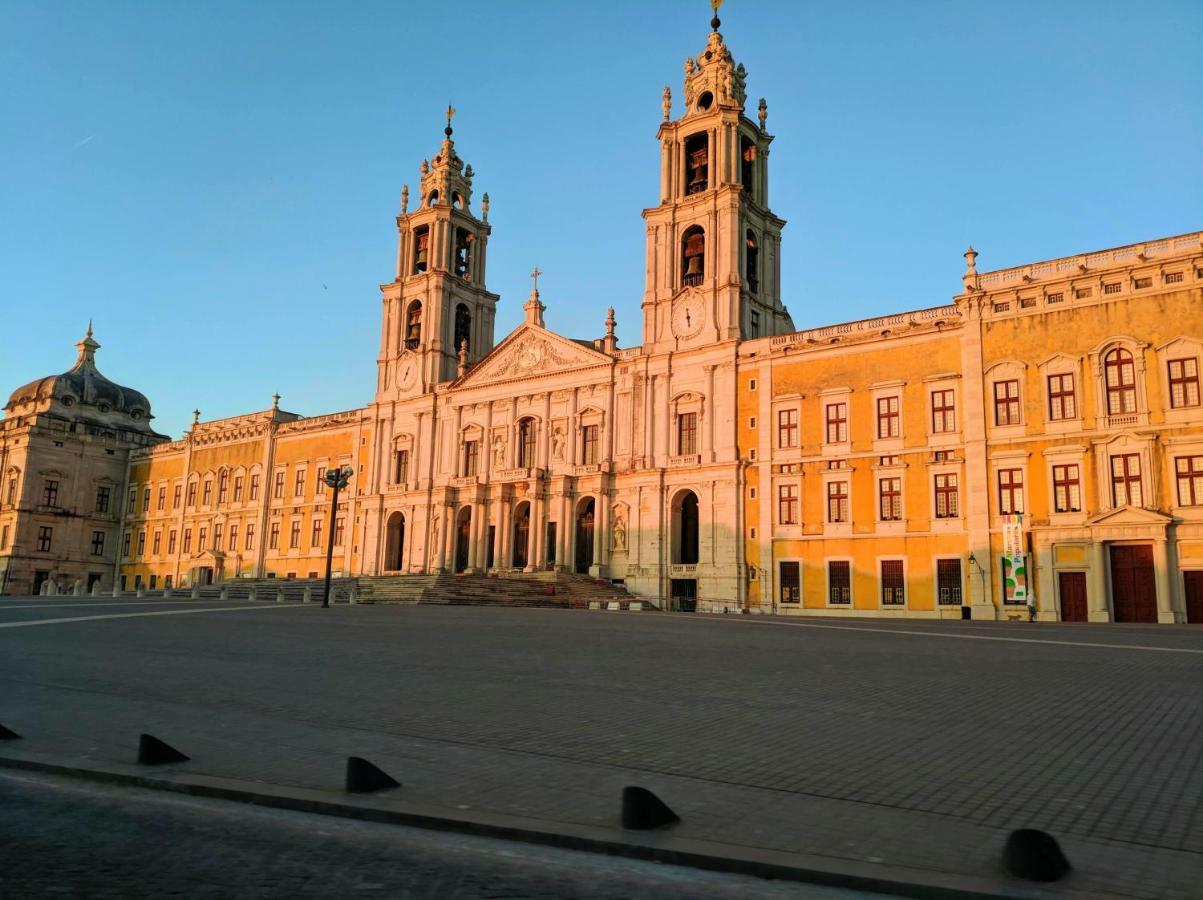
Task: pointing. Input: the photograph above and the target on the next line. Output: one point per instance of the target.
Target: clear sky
(215, 182)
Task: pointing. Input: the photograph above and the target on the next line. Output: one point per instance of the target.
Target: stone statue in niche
(620, 531)
(498, 451)
(557, 442)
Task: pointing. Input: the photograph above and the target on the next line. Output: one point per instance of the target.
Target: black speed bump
(643, 811)
(365, 778)
(154, 752)
(7, 734)
(1034, 855)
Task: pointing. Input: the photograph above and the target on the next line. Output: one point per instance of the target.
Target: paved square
(912, 744)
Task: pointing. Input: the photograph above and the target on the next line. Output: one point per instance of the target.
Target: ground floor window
(948, 582)
(839, 582)
(893, 583)
(791, 582)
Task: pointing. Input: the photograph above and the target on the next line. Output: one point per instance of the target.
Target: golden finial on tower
(714, 5)
(450, 116)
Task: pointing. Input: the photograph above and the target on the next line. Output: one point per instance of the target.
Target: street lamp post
(337, 479)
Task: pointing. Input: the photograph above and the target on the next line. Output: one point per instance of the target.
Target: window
(787, 428)
(1125, 480)
(751, 421)
(132, 500)
(1067, 488)
(1010, 491)
(1184, 382)
(1189, 471)
(45, 534)
(161, 503)
(98, 543)
(141, 544)
(941, 455)
(202, 539)
(1140, 283)
(948, 582)
(223, 487)
(171, 538)
(752, 268)
(839, 582)
(192, 494)
(693, 257)
(837, 423)
(1055, 298)
(947, 496)
(1120, 374)
(1062, 404)
(146, 499)
(791, 582)
(254, 493)
(50, 492)
(315, 537)
(273, 536)
(156, 543)
(340, 525)
(787, 504)
(589, 445)
(233, 545)
(697, 163)
(11, 497)
(890, 499)
(753, 327)
(943, 411)
(125, 544)
(278, 486)
(687, 433)
(1006, 402)
(1112, 288)
(413, 322)
(421, 250)
(4, 537)
(319, 486)
(103, 495)
(400, 466)
(154, 580)
(888, 424)
(238, 479)
(294, 535)
(207, 492)
(470, 456)
(298, 483)
(893, 583)
(218, 531)
(463, 326)
(187, 541)
(1083, 293)
(526, 443)
(837, 501)
(249, 542)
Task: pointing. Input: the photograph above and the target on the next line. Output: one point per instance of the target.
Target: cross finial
(276, 400)
(535, 277)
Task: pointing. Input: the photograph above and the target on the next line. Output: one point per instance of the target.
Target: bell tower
(438, 304)
(713, 244)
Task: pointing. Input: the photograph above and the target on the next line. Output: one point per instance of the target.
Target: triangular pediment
(529, 351)
(1130, 515)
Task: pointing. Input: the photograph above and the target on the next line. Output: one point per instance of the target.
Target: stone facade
(728, 462)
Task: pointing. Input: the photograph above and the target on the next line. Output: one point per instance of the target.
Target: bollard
(95, 588)
(166, 593)
(196, 592)
(117, 589)
(77, 589)
(307, 597)
(44, 590)
(253, 594)
(351, 596)
(140, 592)
(224, 594)
(280, 595)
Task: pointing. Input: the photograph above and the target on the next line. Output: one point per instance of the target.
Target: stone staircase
(528, 589)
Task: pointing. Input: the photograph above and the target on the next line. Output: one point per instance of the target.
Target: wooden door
(1133, 584)
(1193, 582)
(1073, 596)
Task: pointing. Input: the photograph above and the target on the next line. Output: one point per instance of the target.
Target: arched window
(421, 249)
(1120, 374)
(463, 255)
(413, 325)
(697, 164)
(463, 326)
(685, 526)
(433, 199)
(693, 256)
(747, 165)
(752, 261)
(457, 200)
(526, 443)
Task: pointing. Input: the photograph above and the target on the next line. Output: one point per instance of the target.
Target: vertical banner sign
(1015, 572)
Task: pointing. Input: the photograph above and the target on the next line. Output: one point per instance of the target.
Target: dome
(84, 385)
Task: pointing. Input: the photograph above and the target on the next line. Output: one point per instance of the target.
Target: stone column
(573, 455)
(1048, 609)
(708, 418)
(603, 519)
(440, 560)
(1161, 571)
(502, 552)
(473, 544)
(538, 532)
(1096, 583)
(563, 535)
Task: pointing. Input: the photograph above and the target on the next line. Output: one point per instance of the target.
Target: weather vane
(714, 5)
(450, 116)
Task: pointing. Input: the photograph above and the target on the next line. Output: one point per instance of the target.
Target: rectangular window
(1184, 382)
(837, 501)
(171, 538)
(340, 525)
(45, 534)
(943, 411)
(273, 536)
(947, 496)
(249, 543)
(526, 443)
(787, 428)
(131, 501)
(141, 544)
(146, 499)
(839, 582)
(254, 494)
(207, 492)
(103, 495)
(50, 492)
(889, 424)
(589, 445)
(125, 544)
(223, 487)
(278, 487)
(1189, 472)
(400, 466)
(154, 580)
(1125, 480)
(176, 496)
(890, 499)
(238, 479)
(1083, 293)
(470, 456)
(319, 486)
(156, 543)
(791, 582)
(754, 331)
(4, 537)
(1173, 277)
(687, 433)
(315, 536)
(1112, 288)
(1006, 402)
(837, 423)
(787, 504)
(161, 503)
(98, 543)
(1055, 298)
(1062, 403)
(218, 531)
(11, 496)
(294, 535)
(948, 582)
(202, 538)
(1067, 488)
(1010, 491)
(893, 584)
(1141, 283)
(298, 483)
(187, 541)
(233, 545)
(192, 494)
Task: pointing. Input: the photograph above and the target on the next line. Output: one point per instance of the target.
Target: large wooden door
(1073, 596)
(1193, 581)
(1133, 584)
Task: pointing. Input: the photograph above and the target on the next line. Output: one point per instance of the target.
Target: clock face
(688, 317)
(407, 373)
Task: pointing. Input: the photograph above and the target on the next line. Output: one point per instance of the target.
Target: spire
(610, 343)
(86, 349)
(533, 307)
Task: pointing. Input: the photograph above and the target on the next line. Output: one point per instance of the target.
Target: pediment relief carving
(531, 351)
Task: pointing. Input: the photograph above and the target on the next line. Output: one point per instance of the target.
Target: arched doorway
(394, 543)
(463, 533)
(685, 528)
(521, 534)
(584, 535)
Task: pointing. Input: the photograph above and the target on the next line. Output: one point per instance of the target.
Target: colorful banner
(1015, 571)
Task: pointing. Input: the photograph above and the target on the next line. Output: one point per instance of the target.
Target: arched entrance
(463, 533)
(394, 543)
(521, 534)
(584, 535)
(685, 528)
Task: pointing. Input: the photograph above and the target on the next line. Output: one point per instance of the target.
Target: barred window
(791, 582)
(948, 582)
(839, 582)
(893, 583)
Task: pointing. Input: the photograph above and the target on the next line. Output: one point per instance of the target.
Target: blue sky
(216, 182)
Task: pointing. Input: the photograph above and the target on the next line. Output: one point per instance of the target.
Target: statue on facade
(620, 531)
(498, 451)
(557, 442)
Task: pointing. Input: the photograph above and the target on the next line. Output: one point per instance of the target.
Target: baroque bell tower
(713, 244)
(437, 306)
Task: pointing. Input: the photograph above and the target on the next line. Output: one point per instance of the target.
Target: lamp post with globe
(337, 479)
